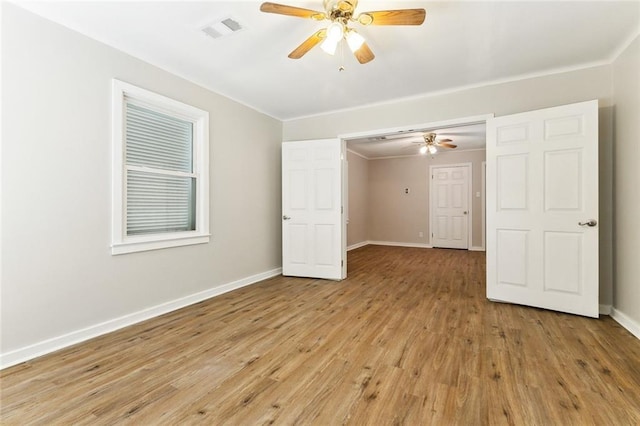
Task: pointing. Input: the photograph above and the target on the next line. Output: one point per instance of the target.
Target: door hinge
(341, 209)
(342, 263)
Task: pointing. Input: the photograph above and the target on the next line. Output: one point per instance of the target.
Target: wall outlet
(406, 190)
(420, 234)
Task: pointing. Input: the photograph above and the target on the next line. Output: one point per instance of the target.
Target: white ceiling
(461, 44)
(401, 144)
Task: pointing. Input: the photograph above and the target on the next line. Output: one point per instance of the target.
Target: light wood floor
(408, 338)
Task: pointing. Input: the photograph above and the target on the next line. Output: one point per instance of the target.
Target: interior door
(450, 207)
(312, 229)
(542, 208)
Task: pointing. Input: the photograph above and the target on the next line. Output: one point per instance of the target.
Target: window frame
(122, 243)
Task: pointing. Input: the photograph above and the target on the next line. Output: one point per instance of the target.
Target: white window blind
(160, 179)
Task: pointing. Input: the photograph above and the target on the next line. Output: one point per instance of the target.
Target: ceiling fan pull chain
(341, 67)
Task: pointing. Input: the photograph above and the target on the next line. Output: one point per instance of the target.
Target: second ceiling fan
(431, 145)
(341, 13)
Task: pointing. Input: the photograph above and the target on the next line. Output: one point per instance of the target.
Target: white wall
(626, 83)
(500, 99)
(394, 216)
(58, 275)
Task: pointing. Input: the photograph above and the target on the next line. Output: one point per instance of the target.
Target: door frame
(484, 205)
(344, 137)
(469, 167)
(344, 170)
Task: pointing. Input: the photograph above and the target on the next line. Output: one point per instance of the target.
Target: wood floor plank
(409, 338)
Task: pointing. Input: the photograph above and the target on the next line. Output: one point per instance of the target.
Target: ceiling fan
(431, 145)
(341, 13)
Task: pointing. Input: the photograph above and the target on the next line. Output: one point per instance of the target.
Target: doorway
(390, 194)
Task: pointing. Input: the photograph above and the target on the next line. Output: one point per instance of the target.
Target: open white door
(542, 208)
(450, 206)
(312, 229)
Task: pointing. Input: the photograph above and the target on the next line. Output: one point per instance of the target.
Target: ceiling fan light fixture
(432, 149)
(335, 34)
(423, 149)
(330, 46)
(335, 31)
(354, 40)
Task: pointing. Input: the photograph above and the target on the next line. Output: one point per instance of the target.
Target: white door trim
(475, 119)
(469, 166)
(345, 203)
(484, 205)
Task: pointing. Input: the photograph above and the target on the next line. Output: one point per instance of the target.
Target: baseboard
(50, 345)
(631, 325)
(397, 244)
(357, 245)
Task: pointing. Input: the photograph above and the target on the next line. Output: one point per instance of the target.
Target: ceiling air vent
(222, 28)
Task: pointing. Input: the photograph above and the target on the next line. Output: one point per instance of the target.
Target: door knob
(590, 222)
(464, 212)
(285, 217)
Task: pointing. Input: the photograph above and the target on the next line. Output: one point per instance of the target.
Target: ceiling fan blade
(308, 44)
(447, 145)
(445, 140)
(364, 54)
(283, 9)
(393, 17)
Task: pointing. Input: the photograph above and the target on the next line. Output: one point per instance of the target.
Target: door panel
(297, 244)
(297, 188)
(562, 179)
(512, 247)
(512, 182)
(542, 181)
(457, 228)
(562, 261)
(324, 242)
(312, 209)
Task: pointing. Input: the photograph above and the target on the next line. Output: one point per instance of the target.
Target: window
(160, 171)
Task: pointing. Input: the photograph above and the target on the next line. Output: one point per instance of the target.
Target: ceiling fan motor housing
(340, 10)
(340, 5)
(429, 138)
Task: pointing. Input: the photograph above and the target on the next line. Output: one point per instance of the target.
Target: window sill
(157, 244)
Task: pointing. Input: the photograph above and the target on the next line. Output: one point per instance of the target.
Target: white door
(450, 207)
(542, 208)
(312, 234)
